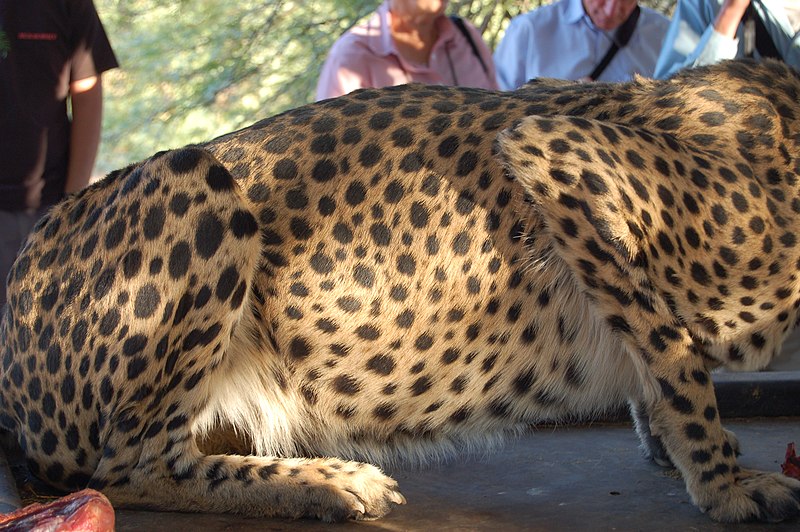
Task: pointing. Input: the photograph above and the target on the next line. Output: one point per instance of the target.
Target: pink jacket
(365, 56)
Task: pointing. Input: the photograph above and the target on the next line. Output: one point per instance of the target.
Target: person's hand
(33, 193)
(729, 17)
(34, 182)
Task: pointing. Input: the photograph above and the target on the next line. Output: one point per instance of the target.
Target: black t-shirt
(38, 41)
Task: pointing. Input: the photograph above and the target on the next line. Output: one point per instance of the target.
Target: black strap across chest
(459, 22)
(621, 37)
(764, 44)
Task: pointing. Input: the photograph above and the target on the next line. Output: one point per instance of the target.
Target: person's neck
(414, 37)
(793, 14)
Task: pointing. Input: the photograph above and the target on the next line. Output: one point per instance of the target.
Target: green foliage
(195, 69)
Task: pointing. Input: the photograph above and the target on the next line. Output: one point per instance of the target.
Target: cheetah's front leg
(652, 446)
(686, 421)
(587, 213)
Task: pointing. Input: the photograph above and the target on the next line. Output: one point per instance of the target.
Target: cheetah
(409, 273)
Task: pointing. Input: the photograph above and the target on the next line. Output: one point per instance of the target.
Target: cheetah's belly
(415, 385)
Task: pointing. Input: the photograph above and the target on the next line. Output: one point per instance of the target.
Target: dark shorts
(14, 229)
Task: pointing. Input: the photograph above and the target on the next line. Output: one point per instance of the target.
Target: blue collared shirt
(692, 41)
(559, 40)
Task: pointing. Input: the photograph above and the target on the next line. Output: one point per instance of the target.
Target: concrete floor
(570, 478)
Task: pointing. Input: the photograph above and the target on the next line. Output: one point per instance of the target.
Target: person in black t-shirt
(50, 51)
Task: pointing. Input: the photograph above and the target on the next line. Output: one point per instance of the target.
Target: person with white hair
(587, 40)
(407, 41)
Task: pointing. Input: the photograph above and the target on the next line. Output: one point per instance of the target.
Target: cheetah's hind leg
(150, 456)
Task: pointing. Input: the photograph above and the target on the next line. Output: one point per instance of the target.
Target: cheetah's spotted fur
(386, 276)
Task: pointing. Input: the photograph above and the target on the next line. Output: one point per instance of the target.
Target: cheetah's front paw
(769, 497)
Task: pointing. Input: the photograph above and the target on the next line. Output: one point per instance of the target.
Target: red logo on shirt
(33, 36)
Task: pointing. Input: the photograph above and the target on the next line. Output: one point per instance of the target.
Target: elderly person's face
(608, 14)
(417, 8)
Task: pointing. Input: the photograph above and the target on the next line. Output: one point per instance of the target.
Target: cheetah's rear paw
(769, 497)
(356, 491)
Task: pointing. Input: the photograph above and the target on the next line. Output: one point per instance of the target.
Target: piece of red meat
(84, 511)
(791, 467)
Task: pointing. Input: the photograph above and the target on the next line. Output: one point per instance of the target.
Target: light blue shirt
(692, 41)
(559, 40)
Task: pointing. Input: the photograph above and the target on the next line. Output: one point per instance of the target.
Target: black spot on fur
(209, 235)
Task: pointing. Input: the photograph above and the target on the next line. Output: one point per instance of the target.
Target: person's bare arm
(87, 113)
(730, 16)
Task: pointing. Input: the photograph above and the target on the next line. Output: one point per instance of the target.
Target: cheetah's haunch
(407, 272)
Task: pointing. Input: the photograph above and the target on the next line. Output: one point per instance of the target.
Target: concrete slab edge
(9, 497)
(763, 394)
